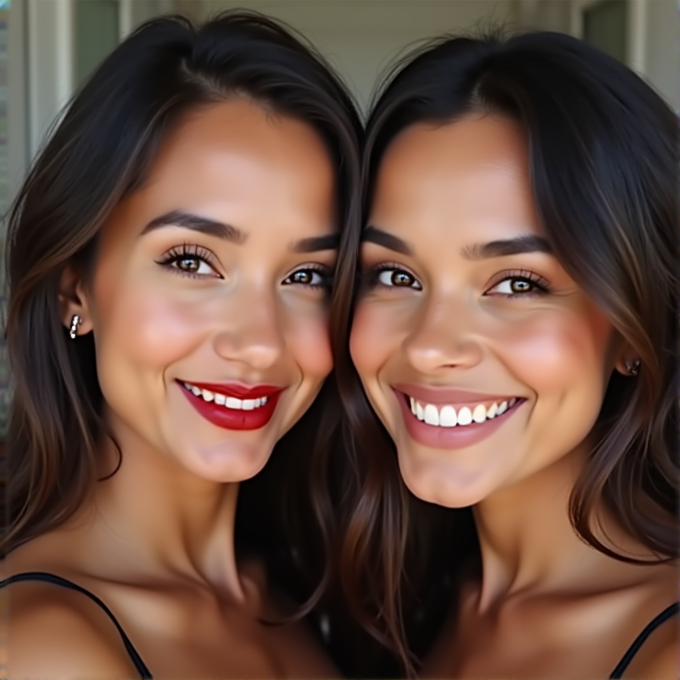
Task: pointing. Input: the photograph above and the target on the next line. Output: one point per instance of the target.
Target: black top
(144, 672)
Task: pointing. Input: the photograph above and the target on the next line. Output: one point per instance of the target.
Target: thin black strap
(59, 581)
(666, 614)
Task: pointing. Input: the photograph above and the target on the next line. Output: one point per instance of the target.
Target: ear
(73, 301)
(628, 362)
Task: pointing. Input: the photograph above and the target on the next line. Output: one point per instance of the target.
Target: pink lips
(450, 438)
(445, 395)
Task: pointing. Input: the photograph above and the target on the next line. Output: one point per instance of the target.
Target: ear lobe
(73, 303)
(628, 366)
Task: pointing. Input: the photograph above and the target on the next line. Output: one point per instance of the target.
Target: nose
(443, 338)
(251, 332)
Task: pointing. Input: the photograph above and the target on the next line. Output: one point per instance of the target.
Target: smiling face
(209, 296)
(482, 357)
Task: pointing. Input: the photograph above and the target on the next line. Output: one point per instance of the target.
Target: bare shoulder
(659, 658)
(51, 634)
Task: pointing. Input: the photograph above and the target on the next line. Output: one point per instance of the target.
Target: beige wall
(662, 58)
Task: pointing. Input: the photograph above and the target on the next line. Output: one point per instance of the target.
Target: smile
(455, 416)
(466, 420)
(233, 406)
(224, 400)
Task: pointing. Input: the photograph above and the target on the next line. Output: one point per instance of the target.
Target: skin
(156, 540)
(544, 605)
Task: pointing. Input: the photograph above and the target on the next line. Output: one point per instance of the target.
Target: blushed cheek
(309, 343)
(556, 354)
(370, 341)
(150, 329)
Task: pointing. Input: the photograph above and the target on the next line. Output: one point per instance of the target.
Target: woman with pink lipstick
(514, 333)
(170, 256)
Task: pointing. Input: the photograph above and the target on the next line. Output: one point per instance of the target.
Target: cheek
(146, 326)
(559, 353)
(373, 338)
(308, 340)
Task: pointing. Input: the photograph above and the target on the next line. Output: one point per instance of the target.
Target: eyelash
(371, 278)
(541, 286)
(324, 272)
(190, 251)
(187, 251)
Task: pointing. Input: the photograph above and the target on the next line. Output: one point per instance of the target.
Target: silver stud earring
(75, 322)
(633, 367)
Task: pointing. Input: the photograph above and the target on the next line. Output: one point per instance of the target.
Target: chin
(227, 462)
(442, 483)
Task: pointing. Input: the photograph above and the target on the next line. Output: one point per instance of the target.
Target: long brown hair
(604, 167)
(99, 153)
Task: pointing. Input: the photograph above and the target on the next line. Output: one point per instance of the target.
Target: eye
(190, 260)
(394, 277)
(310, 277)
(525, 284)
(193, 265)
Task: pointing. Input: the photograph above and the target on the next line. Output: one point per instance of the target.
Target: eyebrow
(504, 248)
(478, 251)
(179, 218)
(314, 244)
(389, 241)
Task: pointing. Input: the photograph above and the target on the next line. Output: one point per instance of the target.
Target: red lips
(233, 418)
(238, 390)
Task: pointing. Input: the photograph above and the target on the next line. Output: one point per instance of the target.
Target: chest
(184, 635)
(538, 640)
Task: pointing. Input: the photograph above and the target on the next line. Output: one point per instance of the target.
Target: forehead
(237, 152)
(473, 169)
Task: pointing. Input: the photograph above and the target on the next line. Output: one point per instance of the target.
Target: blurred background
(48, 48)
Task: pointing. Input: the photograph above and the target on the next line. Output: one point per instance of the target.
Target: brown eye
(304, 276)
(189, 264)
(521, 286)
(312, 278)
(398, 278)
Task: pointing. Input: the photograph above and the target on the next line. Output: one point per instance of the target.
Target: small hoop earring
(633, 367)
(73, 330)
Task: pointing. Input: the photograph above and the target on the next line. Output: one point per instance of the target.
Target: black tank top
(143, 671)
(145, 674)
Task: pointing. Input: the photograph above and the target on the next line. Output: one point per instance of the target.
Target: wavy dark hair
(101, 151)
(603, 149)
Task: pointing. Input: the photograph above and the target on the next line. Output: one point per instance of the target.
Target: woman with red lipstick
(515, 333)
(170, 255)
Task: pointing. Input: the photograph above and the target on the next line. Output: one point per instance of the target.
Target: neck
(154, 516)
(528, 543)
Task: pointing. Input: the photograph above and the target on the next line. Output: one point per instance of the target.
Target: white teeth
(447, 417)
(479, 414)
(223, 400)
(431, 415)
